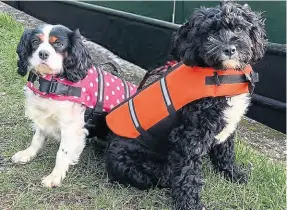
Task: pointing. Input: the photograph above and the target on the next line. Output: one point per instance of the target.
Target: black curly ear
(180, 49)
(78, 59)
(23, 51)
(173, 51)
(258, 36)
(186, 41)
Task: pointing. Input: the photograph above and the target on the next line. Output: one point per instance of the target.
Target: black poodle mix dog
(227, 36)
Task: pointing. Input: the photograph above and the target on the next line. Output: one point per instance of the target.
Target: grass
(86, 186)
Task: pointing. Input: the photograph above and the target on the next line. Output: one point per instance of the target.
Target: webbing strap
(170, 108)
(148, 139)
(230, 79)
(127, 91)
(100, 98)
(53, 86)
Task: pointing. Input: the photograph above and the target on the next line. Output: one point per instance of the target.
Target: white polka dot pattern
(114, 91)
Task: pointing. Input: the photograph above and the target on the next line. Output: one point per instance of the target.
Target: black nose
(43, 54)
(230, 50)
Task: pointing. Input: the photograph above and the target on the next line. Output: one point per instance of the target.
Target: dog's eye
(238, 30)
(59, 44)
(35, 42)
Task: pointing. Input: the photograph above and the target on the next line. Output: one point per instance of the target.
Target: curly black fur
(78, 61)
(177, 164)
(23, 51)
(201, 41)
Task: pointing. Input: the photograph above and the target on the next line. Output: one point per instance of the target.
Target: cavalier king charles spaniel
(67, 97)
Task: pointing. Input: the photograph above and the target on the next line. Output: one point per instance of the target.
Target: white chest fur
(63, 120)
(50, 115)
(238, 106)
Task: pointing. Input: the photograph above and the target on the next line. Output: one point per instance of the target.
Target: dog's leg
(186, 185)
(72, 144)
(36, 145)
(223, 159)
(184, 167)
(129, 163)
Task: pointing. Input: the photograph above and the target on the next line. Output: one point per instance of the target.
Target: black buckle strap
(231, 79)
(253, 77)
(53, 86)
(216, 79)
(32, 77)
(145, 137)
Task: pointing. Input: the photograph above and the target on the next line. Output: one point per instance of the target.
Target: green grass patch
(86, 186)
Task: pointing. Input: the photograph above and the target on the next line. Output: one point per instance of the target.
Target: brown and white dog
(56, 56)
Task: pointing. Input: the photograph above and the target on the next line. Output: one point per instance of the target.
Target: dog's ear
(186, 41)
(257, 33)
(226, 2)
(173, 51)
(78, 59)
(259, 38)
(23, 50)
(180, 43)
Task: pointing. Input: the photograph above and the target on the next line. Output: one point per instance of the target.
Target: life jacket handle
(115, 69)
(157, 71)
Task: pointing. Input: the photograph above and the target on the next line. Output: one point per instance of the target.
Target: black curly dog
(227, 35)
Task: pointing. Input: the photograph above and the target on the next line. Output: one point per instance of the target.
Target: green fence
(274, 12)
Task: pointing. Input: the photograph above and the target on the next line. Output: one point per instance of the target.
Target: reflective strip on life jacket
(150, 107)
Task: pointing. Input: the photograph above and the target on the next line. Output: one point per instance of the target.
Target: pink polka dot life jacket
(99, 89)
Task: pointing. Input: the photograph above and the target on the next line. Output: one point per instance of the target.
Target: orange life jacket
(153, 109)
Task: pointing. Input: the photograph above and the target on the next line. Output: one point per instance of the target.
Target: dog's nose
(230, 50)
(43, 54)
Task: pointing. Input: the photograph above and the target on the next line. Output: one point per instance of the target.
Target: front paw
(183, 206)
(23, 156)
(237, 175)
(53, 180)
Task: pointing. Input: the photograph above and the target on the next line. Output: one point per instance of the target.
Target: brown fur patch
(52, 39)
(41, 37)
(231, 64)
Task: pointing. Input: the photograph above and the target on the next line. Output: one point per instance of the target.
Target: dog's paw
(52, 181)
(23, 156)
(188, 206)
(240, 177)
(237, 175)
